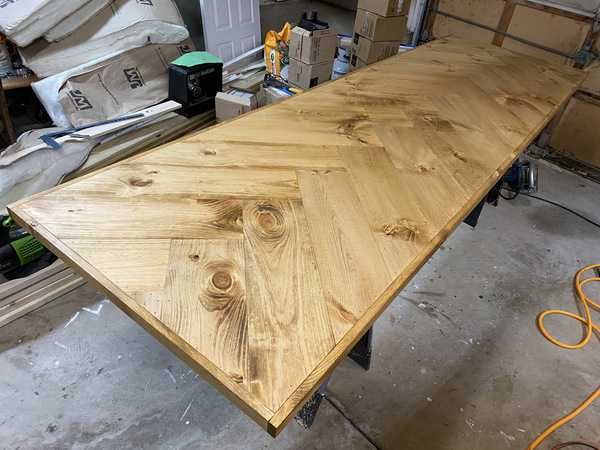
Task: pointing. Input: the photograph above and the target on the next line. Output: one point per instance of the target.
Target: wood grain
(262, 249)
(204, 301)
(284, 298)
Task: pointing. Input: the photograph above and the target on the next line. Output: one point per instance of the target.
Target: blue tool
(50, 138)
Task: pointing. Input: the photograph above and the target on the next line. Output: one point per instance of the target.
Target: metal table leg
(362, 351)
(361, 354)
(306, 416)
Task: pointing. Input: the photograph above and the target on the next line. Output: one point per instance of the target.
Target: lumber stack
(22, 296)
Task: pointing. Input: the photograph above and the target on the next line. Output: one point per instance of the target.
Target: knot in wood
(269, 220)
(222, 287)
(404, 229)
(138, 182)
(222, 280)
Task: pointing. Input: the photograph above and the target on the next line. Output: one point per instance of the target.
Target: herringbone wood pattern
(260, 250)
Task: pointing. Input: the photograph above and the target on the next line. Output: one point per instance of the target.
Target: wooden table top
(262, 249)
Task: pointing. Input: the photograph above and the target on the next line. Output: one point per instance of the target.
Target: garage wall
(562, 25)
(589, 6)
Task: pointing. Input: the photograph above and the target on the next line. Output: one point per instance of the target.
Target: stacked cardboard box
(233, 104)
(379, 30)
(311, 56)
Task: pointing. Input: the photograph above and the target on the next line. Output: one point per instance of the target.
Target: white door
(231, 27)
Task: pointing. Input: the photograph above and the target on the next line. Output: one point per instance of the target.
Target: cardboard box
(269, 95)
(386, 8)
(378, 28)
(356, 63)
(371, 52)
(306, 76)
(233, 104)
(313, 47)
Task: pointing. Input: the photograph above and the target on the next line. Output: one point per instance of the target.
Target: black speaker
(194, 80)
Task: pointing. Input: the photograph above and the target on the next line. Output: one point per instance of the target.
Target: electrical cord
(551, 202)
(566, 208)
(590, 328)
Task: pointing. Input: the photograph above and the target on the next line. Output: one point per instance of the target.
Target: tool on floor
(312, 24)
(522, 177)
(18, 248)
(590, 327)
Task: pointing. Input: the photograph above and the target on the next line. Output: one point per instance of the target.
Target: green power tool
(17, 247)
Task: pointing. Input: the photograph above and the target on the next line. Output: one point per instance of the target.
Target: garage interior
(457, 359)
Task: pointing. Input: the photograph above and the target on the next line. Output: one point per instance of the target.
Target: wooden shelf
(8, 84)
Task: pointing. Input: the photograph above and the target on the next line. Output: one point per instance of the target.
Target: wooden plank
(136, 269)
(284, 297)
(26, 298)
(404, 149)
(7, 125)
(11, 287)
(204, 301)
(130, 143)
(398, 223)
(183, 218)
(235, 154)
(100, 131)
(592, 82)
(11, 299)
(351, 266)
(11, 83)
(135, 180)
(39, 298)
(505, 19)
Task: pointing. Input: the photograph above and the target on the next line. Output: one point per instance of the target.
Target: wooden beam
(5, 117)
(20, 297)
(430, 18)
(504, 23)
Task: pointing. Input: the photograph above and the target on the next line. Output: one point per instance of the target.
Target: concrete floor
(458, 362)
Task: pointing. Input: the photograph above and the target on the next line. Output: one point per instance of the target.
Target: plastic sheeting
(124, 83)
(39, 170)
(23, 21)
(125, 25)
(71, 23)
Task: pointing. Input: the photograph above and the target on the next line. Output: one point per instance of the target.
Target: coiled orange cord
(590, 326)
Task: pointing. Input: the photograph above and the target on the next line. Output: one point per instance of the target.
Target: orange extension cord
(587, 303)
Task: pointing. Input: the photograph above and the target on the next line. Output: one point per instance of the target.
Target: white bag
(127, 82)
(70, 24)
(125, 25)
(23, 21)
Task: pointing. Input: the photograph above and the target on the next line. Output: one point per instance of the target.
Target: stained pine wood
(262, 249)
